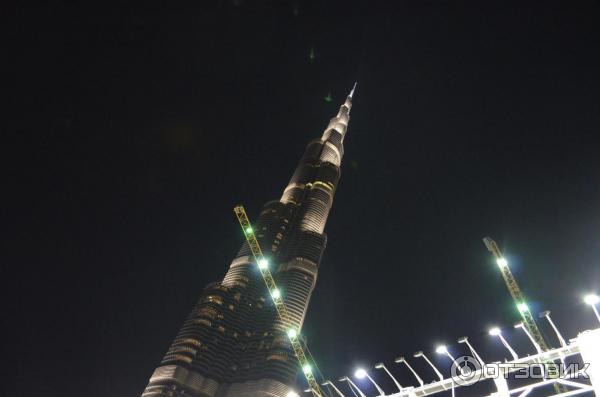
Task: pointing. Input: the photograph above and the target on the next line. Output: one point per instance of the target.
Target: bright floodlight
(495, 331)
(249, 230)
(275, 293)
(292, 393)
(522, 307)
(307, 369)
(519, 325)
(502, 262)
(263, 264)
(379, 365)
(360, 373)
(292, 333)
(441, 349)
(591, 299)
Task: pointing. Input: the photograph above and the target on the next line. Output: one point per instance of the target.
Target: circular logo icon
(466, 370)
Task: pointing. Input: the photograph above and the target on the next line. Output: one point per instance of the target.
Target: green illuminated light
(502, 262)
(523, 307)
(275, 293)
(307, 369)
(249, 230)
(263, 264)
(292, 333)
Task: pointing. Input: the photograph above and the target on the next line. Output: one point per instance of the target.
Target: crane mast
(528, 321)
(516, 293)
(292, 333)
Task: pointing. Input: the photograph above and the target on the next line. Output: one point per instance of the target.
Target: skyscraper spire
(352, 92)
(232, 343)
(340, 122)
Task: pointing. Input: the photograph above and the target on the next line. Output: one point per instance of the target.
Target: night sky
(134, 130)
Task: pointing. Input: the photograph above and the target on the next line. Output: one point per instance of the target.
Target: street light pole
(351, 384)
(593, 300)
(330, 383)
(546, 315)
(362, 373)
(381, 366)
(498, 333)
(538, 349)
(421, 354)
(465, 340)
(442, 349)
(403, 360)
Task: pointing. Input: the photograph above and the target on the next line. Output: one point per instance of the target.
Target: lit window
(278, 357)
(214, 299)
(207, 312)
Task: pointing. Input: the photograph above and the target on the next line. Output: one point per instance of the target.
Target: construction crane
(511, 283)
(516, 293)
(292, 333)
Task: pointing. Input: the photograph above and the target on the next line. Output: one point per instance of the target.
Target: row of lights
(292, 333)
(361, 373)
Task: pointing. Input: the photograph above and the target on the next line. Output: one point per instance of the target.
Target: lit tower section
(312, 188)
(233, 343)
(292, 229)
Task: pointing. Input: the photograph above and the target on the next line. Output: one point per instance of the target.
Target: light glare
(292, 393)
(522, 307)
(502, 262)
(307, 369)
(275, 293)
(249, 230)
(263, 264)
(441, 349)
(292, 333)
(495, 331)
(591, 299)
(360, 373)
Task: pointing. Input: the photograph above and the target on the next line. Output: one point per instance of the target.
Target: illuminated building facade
(232, 343)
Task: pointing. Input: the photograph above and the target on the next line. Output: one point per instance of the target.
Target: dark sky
(137, 129)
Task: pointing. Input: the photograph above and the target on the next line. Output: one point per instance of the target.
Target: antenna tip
(353, 88)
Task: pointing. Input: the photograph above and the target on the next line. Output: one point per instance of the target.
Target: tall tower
(232, 343)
